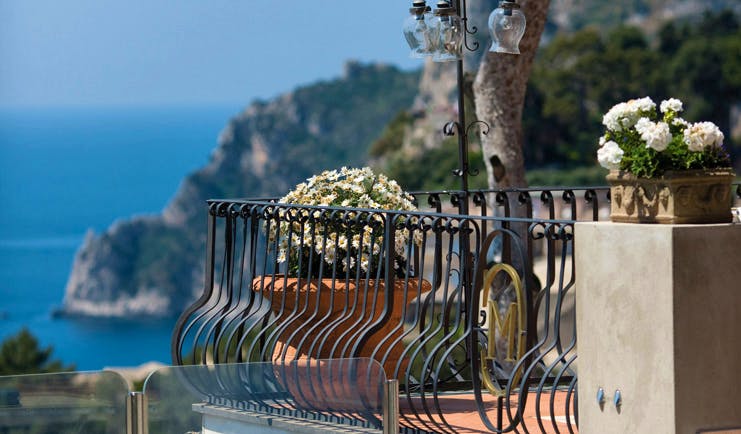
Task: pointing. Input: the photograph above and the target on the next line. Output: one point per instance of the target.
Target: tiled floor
(460, 412)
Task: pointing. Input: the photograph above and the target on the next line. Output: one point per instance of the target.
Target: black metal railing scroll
(475, 308)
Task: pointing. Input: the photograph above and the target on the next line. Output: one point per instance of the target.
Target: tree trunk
(499, 93)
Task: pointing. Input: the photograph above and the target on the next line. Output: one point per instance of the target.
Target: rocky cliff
(153, 266)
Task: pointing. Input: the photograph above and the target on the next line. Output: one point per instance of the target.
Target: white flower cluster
(628, 121)
(348, 188)
(359, 188)
(679, 122)
(624, 116)
(701, 135)
(656, 134)
(671, 105)
(610, 155)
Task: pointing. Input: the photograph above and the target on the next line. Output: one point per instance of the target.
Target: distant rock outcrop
(153, 266)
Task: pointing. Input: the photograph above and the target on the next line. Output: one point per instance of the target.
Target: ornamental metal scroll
(512, 327)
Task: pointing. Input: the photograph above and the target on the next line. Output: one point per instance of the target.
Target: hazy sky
(156, 52)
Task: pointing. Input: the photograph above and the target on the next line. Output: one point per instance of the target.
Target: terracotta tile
(460, 412)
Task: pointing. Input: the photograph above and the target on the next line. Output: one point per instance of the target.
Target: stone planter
(325, 321)
(677, 197)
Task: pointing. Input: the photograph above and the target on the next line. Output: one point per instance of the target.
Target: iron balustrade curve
(292, 284)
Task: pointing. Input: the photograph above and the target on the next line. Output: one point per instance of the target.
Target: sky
(185, 52)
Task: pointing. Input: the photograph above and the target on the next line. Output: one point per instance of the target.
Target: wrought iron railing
(459, 312)
(478, 307)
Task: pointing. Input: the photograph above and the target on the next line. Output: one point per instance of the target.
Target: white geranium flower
(701, 135)
(612, 119)
(636, 126)
(643, 125)
(645, 105)
(679, 122)
(656, 135)
(624, 115)
(671, 105)
(610, 155)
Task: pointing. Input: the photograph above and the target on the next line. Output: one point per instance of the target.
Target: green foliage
(148, 254)
(607, 13)
(721, 24)
(571, 91)
(21, 354)
(677, 156)
(159, 258)
(392, 136)
(670, 37)
(349, 113)
(577, 77)
(645, 143)
(572, 177)
(626, 38)
(428, 168)
(704, 72)
(316, 127)
(432, 169)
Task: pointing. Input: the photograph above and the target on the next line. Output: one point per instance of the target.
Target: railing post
(391, 407)
(136, 413)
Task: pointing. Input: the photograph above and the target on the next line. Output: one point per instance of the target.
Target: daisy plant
(340, 243)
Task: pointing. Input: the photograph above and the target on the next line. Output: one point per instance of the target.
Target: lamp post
(443, 34)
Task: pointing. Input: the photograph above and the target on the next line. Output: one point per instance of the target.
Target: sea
(66, 171)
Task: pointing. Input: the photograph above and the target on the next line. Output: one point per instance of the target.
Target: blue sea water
(63, 171)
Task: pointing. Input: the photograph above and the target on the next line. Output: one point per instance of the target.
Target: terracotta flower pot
(349, 385)
(325, 321)
(677, 197)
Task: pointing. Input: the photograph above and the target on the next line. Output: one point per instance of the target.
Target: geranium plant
(348, 245)
(647, 142)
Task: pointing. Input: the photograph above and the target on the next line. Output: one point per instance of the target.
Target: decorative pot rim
(676, 197)
(673, 175)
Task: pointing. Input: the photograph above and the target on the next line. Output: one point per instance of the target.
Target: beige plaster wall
(659, 318)
(707, 323)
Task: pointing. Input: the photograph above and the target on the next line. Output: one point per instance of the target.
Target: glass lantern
(418, 31)
(507, 26)
(448, 33)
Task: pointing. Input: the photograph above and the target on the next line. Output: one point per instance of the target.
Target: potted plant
(333, 289)
(351, 249)
(664, 169)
